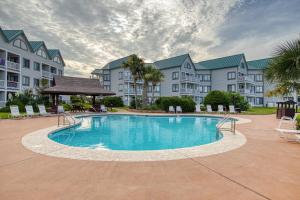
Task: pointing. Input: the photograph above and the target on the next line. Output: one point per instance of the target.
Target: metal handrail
(66, 117)
(220, 124)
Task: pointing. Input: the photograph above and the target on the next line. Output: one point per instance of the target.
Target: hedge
(112, 101)
(187, 104)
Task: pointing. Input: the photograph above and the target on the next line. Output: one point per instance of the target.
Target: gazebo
(286, 108)
(66, 85)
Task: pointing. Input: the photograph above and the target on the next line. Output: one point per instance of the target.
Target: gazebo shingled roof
(66, 85)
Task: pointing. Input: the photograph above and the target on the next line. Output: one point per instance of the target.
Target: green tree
(156, 77)
(136, 67)
(284, 69)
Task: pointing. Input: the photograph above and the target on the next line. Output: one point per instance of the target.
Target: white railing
(131, 91)
(45, 73)
(245, 79)
(13, 66)
(13, 85)
(186, 91)
(2, 83)
(2, 103)
(246, 91)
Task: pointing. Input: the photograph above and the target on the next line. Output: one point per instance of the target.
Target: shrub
(187, 104)
(238, 101)
(151, 107)
(67, 107)
(139, 103)
(298, 122)
(215, 98)
(112, 101)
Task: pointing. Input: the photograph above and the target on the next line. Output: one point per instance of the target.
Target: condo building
(24, 64)
(183, 77)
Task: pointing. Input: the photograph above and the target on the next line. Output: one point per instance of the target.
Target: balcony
(45, 74)
(245, 79)
(52, 75)
(187, 91)
(132, 92)
(245, 91)
(130, 79)
(13, 66)
(13, 85)
(2, 63)
(2, 103)
(190, 79)
(2, 83)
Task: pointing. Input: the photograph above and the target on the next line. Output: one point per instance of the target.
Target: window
(25, 80)
(242, 65)
(41, 53)
(205, 89)
(106, 77)
(60, 72)
(175, 88)
(36, 82)
(259, 89)
(188, 66)
(149, 88)
(175, 75)
(183, 75)
(36, 66)
(206, 77)
(252, 76)
(106, 87)
(231, 75)
(53, 70)
(26, 63)
(120, 87)
(231, 88)
(259, 77)
(20, 44)
(57, 60)
(157, 88)
(259, 101)
(120, 75)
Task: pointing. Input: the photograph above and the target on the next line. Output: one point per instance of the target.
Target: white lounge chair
(178, 109)
(171, 109)
(208, 108)
(198, 108)
(29, 111)
(220, 108)
(231, 109)
(14, 112)
(290, 134)
(103, 108)
(42, 110)
(60, 109)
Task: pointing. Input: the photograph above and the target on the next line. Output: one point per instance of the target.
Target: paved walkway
(265, 168)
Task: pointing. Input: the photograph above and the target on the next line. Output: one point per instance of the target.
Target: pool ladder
(67, 117)
(220, 124)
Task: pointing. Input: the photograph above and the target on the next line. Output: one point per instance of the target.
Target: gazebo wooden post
(94, 100)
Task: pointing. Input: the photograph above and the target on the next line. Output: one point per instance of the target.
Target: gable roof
(54, 52)
(10, 35)
(35, 45)
(259, 64)
(116, 63)
(219, 63)
(73, 85)
(176, 61)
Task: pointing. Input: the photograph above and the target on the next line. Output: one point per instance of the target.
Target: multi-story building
(183, 77)
(24, 63)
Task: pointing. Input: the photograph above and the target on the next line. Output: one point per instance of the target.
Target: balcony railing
(45, 73)
(2, 83)
(246, 91)
(13, 85)
(132, 92)
(13, 66)
(130, 79)
(52, 74)
(2, 62)
(2, 103)
(245, 79)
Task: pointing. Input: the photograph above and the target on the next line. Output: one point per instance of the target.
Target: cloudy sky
(92, 33)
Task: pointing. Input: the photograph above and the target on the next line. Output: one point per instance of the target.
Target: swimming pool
(137, 133)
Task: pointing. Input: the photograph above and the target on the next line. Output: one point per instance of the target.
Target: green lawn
(4, 115)
(260, 111)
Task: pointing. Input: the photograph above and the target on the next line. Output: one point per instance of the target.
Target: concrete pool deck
(266, 167)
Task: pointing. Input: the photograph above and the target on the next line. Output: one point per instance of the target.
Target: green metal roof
(171, 62)
(258, 64)
(116, 63)
(219, 63)
(53, 53)
(35, 45)
(11, 34)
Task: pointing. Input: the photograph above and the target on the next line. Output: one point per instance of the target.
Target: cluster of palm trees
(284, 69)
(139, 71)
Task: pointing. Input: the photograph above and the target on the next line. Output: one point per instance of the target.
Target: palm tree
(156, 77)
(284, 69)
(136, 67)
(147, 77)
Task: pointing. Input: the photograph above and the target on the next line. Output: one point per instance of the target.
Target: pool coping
(39, 142)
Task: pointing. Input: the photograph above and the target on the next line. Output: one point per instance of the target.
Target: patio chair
(14, 112)
(60, 109)
(290, 133)
(178, 109)
(29, 111)
(231, 109)
(171, 109)
(42, 110)
(220, 109)
(198, 109)
(103, 108)
(208, 108)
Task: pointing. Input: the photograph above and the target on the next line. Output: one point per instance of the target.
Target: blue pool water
(131, 132)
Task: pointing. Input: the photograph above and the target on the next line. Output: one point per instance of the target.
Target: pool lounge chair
(220, 109)
(60, 109)
(198, 108)
(14, 112)
(29, 111)
(208, 108)
(178, 109)
(42, 110)
(103, 108)
(171, 109)
(231, 109)
(290, 135)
